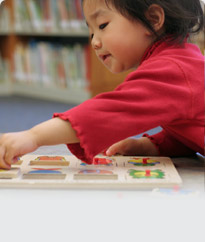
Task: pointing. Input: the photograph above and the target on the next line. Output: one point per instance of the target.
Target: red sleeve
(167, 145)
(144, 101)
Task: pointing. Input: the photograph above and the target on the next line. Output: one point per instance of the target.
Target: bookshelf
(19, 28)
(52, 30)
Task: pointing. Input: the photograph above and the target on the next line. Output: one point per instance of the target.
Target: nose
(96, 43)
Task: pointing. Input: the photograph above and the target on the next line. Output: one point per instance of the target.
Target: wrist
(33, 137)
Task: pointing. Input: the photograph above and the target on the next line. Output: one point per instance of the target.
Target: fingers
(118, 147)
(111, 150)
(128, 146)
(3, 162)
(6, 153)
(13, 145)
(9, 157)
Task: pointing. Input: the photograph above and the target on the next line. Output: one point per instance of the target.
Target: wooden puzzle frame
(124, 172)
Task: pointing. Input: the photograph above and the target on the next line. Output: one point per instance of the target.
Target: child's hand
(141, 147)
(13, 145)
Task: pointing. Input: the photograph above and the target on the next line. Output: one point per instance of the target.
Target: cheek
(118, 43)
(122, 52)
(115, 46)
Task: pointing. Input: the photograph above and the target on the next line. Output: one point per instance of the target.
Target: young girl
(166, 88)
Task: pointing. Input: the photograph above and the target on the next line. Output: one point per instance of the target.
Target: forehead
(93, 8)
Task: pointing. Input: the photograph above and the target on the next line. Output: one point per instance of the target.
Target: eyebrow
(96, 14)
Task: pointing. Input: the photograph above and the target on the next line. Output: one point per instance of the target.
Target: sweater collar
(155, 46)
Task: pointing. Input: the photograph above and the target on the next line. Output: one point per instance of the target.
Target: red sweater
(166, 90)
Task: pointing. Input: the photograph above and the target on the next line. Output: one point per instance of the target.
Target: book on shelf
(4, 71)
(35, 14)
(5, 23)
(52, 65)
(49, 16)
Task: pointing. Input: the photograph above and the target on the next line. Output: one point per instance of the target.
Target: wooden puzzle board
(33, 171)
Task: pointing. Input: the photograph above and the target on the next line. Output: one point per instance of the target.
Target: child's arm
(161, 144)
(52, 132)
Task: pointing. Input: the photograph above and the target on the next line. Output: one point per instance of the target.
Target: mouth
(104, 57)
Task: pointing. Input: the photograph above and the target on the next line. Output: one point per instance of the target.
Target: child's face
(118, 42)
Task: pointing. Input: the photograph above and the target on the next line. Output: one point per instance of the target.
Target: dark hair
(181, 16)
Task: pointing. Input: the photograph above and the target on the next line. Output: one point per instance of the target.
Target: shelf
(5, 89)
(2, 33)
(54, 26)
(75, 95)
(83, 34)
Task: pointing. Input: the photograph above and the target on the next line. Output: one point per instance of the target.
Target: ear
(156, 16)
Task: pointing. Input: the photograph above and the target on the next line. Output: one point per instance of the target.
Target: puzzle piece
(9, 174)
(146, 174)
(142, 162)
(95, 175)
(99, 162)
(49, 161)
(40, 173)
(50, 158)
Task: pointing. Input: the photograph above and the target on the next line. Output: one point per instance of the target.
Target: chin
(121, 68)
(116, 70)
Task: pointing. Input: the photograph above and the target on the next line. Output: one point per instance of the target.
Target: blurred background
(46, 63)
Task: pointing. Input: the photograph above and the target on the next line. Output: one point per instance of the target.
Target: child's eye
(102, 26)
